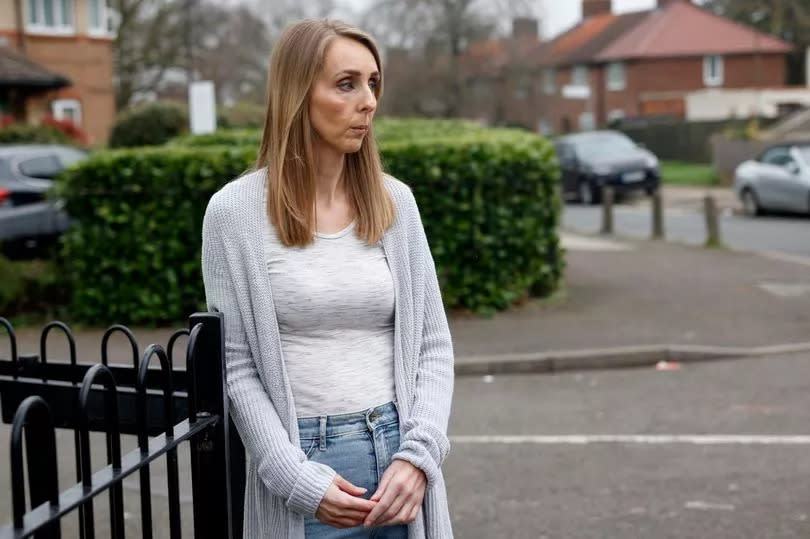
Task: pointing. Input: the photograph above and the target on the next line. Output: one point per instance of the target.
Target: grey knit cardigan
(282, 485)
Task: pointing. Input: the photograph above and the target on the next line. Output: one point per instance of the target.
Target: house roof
(489, 58)
(18, 71)
(586, 40)
(683, 29)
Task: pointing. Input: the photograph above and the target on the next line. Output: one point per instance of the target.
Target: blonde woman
(338, 355)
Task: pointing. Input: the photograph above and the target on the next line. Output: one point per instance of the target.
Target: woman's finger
(348, 487)
(386, 478)
(344, 501)
(400, 518)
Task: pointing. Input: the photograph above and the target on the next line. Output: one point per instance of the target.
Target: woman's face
(343, 100)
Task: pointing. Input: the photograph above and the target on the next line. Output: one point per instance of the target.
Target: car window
(45, 167)
(777, 156)
(564, 152)
(603, 146)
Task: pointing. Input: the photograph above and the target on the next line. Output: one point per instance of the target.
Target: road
(781, 234)
(526, 462)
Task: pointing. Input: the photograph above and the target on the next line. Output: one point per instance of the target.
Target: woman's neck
(329, 185)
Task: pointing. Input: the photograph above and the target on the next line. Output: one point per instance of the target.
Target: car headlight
(651, 161)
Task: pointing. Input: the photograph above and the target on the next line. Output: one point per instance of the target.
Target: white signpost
(202, 107)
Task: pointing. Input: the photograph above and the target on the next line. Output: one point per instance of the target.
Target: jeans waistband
(333, 425)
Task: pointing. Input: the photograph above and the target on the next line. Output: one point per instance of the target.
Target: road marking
(785, 257)
(584, 439)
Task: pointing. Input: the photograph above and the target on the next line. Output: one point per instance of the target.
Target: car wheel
(750, 203)
(586, 193)
(651, 190)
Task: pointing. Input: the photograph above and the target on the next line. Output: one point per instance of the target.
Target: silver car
(778, 180)
(27, 215)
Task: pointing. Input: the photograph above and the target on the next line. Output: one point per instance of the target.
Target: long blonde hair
(287, 150)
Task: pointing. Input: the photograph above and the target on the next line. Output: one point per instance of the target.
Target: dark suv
(590, 161)
(27, 216)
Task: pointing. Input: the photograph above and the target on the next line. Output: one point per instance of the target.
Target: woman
(338, 355)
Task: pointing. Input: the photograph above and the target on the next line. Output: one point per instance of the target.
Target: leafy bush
(33, 286)
(149, 125)
(488, 201)
(33, 134)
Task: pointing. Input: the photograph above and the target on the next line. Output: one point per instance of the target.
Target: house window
(67, 109)
(615, 76)
(586, 121)
(101, 18)
(579, 76)
(550, 81)
(50, 16)
(713, 70)
(544, 127)
(522, 87)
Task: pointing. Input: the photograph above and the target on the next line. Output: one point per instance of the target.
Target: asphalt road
(783, 234)
(527, 463)
(716, 450)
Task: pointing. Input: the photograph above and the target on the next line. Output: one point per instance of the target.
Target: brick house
(614, 66)
(56, 58)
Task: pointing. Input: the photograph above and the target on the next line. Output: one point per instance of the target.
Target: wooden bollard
(712, 224)
(607, 210)
(657, 215)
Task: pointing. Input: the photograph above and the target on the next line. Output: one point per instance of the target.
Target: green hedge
(33, 134)
(385, 129)
(487, 200)
(149, 125)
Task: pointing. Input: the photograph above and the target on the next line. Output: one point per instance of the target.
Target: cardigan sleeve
(282, 466)
(424, 442)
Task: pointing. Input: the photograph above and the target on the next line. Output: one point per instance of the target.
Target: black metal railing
(163, 407)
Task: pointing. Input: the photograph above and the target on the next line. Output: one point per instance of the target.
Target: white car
(778, 180)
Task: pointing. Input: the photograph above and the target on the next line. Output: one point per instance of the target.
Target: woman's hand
(342, 506)
(399, 495)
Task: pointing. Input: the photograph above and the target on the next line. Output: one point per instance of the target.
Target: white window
(586, 121)
(713, 70)
(550, 80)
(544, 127)
(67, 109)
(97, 17)
(615, 76)
(579, 76)
(50, 17)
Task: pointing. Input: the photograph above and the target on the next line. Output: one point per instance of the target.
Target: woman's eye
(373, 84)
(346, 85)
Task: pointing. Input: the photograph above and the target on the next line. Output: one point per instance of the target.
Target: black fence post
(211, 456)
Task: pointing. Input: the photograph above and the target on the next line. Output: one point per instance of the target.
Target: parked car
(590, 161)
(778, 180)
(27, 217)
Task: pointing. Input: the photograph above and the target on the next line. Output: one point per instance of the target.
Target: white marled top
(335, 308)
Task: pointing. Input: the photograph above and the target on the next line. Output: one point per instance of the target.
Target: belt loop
(322, 445)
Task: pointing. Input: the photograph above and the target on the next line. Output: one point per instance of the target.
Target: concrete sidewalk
(624, 303)
(637, 302)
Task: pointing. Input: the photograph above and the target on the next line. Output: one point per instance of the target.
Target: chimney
(592, 8)
(524, 27)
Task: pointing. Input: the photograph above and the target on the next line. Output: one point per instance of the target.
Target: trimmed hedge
(33, 134)
(488, 200)
(385, 129)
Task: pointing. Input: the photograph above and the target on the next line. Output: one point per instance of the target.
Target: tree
(785, 19)
(442, 29)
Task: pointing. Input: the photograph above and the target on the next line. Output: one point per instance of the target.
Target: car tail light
(5, 197)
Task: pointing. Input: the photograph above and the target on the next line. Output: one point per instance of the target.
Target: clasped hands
(397, 500)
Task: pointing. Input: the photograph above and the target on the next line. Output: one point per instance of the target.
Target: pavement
(691, 198)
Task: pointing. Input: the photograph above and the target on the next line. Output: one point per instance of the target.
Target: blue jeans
(359, 447)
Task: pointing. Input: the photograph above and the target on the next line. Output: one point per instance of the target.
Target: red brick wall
(88, 63)
(680, 75)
